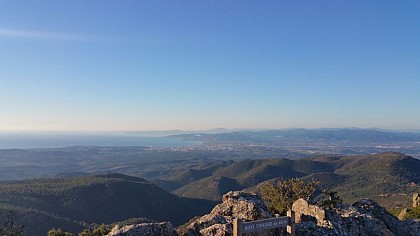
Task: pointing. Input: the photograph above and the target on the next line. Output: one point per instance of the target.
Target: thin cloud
(43, 35)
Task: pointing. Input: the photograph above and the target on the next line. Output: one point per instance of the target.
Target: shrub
(413, 212)
(281, 194)
(100, 230)
(331, 199)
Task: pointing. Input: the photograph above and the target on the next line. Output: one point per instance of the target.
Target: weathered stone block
(416, 200)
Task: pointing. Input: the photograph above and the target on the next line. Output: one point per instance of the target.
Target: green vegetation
(386, 178)
(281, 194)
(101, 230)
(413, 212)
(331, 199)
(247, 173)
(74, 203)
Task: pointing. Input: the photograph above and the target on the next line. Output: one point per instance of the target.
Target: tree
(331, 199)
(100, 230)
(281, 194)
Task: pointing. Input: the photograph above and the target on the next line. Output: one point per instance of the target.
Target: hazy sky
(146, 65)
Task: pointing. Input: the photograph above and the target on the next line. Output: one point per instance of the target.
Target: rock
(416, 200)
(412, 226)
(144, 229)
(370, 207)
(242, 205)
(365, 217)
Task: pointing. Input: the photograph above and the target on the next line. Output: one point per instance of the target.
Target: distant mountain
(158, 133)
(389, 178)
(69, 202)
(354, 135)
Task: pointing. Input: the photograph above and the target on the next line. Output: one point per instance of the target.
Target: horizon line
(202, 130)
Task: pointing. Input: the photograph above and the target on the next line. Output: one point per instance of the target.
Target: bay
(22, 140)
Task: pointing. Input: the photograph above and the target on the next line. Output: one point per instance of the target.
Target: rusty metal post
(237, 227)
(291, 226)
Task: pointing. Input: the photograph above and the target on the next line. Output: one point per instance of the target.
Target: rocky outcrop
(144, 229)
(242, 205)
(365, 217)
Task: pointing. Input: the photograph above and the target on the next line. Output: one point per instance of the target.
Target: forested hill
(72, 202)
(389, 178)
(41, 204)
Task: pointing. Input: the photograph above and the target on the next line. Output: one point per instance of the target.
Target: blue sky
(156, 65)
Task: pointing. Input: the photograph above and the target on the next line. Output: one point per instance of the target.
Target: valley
(79, 186)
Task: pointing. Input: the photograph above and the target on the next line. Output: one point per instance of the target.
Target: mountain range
(353, 135)
(387, 177)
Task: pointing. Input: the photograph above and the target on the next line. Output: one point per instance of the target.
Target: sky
(193, 65)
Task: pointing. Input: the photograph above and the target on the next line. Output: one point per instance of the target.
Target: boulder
(242, 205)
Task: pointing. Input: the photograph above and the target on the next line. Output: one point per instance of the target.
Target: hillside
(72, 202)
(247, 173)
(386, 177)
(68, 202)
(389, 178)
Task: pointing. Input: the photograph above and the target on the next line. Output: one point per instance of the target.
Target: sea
(25, 140)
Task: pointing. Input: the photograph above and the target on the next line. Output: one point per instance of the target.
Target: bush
(100, 230)
(331, 199)
(281, 194)
(413, 212)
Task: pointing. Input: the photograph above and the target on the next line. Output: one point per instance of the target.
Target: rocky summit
(364, 217)
(246, 206)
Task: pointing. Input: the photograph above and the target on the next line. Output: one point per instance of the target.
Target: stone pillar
(416, 200)
(304, 211)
